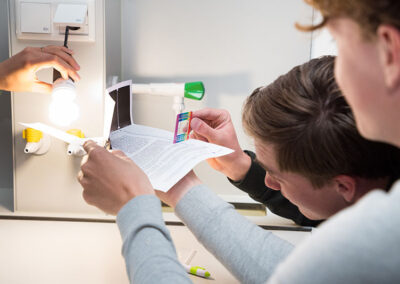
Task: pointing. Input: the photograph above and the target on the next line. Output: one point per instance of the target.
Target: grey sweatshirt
(359, 245)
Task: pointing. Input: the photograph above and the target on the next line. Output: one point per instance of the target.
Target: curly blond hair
(368, 14)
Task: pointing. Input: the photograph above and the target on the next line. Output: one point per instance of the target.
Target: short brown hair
(304, 116)
(369, 14)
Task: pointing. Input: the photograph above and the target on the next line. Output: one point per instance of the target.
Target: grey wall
(113, 39)
(233, 46)
(6, 166)
(322, 42)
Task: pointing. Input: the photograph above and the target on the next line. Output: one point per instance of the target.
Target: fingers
(120, 155)
(62, 52)
(194, 135)
(41, 87)
(84, 160)
(80, 176)
(58, 58)
(201, 128)
(90, 145)
(64, 68)
(210, 114)
(86, 166)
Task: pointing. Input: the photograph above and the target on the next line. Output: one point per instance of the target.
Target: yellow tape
(76, 132)
(32, 135)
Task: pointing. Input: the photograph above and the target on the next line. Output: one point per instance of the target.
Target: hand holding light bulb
(18, 73)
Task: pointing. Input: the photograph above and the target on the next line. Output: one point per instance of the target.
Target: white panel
(35, 18)
(70, 14)
(48, 183)
(84, 17)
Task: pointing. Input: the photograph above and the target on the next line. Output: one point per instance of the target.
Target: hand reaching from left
(18, 73)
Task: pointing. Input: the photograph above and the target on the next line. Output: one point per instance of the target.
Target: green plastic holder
(194, 90)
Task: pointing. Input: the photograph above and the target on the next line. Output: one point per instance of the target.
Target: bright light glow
(63, 114)
(63, 110)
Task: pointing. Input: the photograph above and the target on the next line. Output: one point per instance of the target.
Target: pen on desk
(197, 270)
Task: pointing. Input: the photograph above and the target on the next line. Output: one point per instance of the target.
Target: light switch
(35, 17)
(71, 14)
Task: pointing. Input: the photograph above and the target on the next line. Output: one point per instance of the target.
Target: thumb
(202, 128)
(41, 87)
(90, 145)
(120, 154)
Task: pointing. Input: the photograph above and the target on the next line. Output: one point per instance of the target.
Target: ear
(346, 187)
(389, 55)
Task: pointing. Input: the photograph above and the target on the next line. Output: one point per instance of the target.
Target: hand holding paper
(164, 163)
(215, 126)
(111, 179)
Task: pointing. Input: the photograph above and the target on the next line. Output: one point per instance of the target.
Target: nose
(271, 182)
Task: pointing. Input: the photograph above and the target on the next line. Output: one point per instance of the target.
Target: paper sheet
(62, 135)
(164, 163)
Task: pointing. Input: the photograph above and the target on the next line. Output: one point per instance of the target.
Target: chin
(370, 130)
(310, 215)
(366, 132)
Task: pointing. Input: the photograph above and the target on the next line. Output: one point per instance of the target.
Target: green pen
(197, 270)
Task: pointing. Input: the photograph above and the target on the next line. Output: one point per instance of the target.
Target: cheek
(346, 77)
(351, 81)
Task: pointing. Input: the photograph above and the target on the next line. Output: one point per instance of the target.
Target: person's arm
(253, 184)
(18, 73)
(147, 246)
(249, 252)
(114, 184)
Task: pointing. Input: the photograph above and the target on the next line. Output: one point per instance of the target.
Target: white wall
(322, 41)
(113, 25)
(233, 46)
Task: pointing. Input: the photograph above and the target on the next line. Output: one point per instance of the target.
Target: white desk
(86, 252)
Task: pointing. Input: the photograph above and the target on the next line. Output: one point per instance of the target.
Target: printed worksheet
(164, 162)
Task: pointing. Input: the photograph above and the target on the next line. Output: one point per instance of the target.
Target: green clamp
(194, 90)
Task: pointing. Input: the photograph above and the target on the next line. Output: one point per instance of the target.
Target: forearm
(3, 77)
(248, 251)
(147, 246)
(238, 169)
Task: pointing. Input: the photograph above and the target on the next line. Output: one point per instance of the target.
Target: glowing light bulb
(63, 110)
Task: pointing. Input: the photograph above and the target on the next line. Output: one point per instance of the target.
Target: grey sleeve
(248, 251)
(147, 246)
(358, 245)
